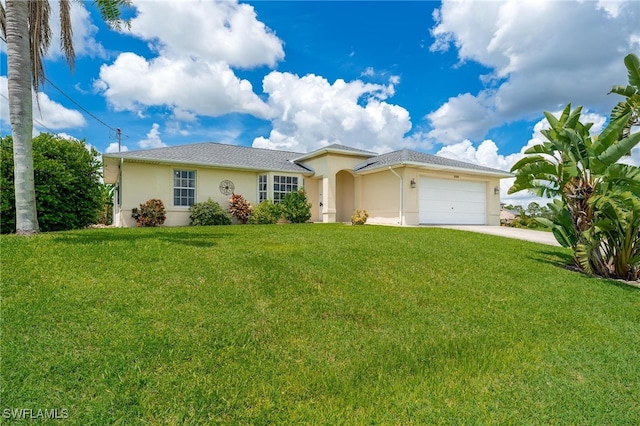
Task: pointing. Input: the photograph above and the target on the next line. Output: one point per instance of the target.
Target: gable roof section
(336, 149)
(407, 157)
(219, 155)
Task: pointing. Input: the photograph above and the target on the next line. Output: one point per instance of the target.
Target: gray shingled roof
(243, 157)
(415, 157)
(221, 155)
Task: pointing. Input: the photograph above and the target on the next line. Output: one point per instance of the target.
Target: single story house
(403, 187)
(507, 216)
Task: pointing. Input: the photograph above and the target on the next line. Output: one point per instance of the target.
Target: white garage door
(449, 202)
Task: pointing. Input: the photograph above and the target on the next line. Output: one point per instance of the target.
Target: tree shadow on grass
(135, 235)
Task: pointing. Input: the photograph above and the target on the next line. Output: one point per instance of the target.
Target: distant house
(507, 216)
(402, 187)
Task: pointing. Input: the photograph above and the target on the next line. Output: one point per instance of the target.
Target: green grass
(313, 324)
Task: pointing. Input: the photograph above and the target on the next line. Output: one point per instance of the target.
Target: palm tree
(25, 26)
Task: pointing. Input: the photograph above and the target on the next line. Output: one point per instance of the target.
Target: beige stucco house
(402, 187)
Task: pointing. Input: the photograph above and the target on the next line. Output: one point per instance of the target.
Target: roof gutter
(400, 219)
(497, 173)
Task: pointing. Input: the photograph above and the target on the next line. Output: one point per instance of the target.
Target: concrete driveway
(504, 231)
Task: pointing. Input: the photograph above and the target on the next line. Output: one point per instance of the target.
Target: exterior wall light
(496, 190)
(413, 183)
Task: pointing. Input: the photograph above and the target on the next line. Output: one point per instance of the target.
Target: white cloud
(213, 31)
(50, 115)
(633, 159)
(461, 117)
(185, 85)
(196, 48)
(153, 138)
(311, 113)
(543, 54)
(113, 147)
(369, 72)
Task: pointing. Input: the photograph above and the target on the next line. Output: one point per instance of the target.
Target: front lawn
(312, 324)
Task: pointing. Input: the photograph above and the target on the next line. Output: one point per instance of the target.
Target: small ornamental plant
(359, 217)
(150, 213)
(208, 213)
(239, 208)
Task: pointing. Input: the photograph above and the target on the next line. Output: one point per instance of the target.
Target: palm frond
(110, 10)
(3, 21)
(66, 33)
(40, 38)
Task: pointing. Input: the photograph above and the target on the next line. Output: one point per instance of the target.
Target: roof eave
(211, 166)
(437, 167)
(328, 150)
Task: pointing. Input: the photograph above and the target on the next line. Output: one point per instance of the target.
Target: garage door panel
(466, 196)
(446, 201)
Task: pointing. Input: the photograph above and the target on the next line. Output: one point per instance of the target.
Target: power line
(80, 106)
(118, 132)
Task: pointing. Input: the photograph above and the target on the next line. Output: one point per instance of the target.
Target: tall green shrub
(208, 213)
(67, 183)
(296, 208)
(265, 213)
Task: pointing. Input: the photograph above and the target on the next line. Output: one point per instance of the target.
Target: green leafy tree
(584, 173)
(296, 208)
(67, 184)
(26, 29)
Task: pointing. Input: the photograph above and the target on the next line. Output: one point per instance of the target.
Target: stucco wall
(142, 181)
(380, 194)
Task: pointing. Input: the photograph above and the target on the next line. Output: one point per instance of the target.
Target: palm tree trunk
(21, 114)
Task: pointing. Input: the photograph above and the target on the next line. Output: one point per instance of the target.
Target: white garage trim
(452, 202)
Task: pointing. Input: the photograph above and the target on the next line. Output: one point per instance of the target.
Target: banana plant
(582, 172)
(611, 247)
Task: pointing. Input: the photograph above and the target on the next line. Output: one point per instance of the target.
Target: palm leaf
(613, 130)
(624, 90)
(616, 151)
(632, 63)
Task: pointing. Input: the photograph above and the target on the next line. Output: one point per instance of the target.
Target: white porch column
(329, 199)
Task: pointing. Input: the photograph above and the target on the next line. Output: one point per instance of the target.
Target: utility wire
(116, 130)
(79, 106)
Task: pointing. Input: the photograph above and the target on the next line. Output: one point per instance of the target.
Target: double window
(184, 187)
(282, 185)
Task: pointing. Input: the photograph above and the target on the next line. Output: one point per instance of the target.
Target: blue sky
(467, 80)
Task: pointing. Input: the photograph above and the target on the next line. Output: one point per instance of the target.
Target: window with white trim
(184, 187)
(263, 186)
(282, 185)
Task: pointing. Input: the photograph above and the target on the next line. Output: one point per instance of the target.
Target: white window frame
(263, 188)
(282, 185)
(179, 184)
